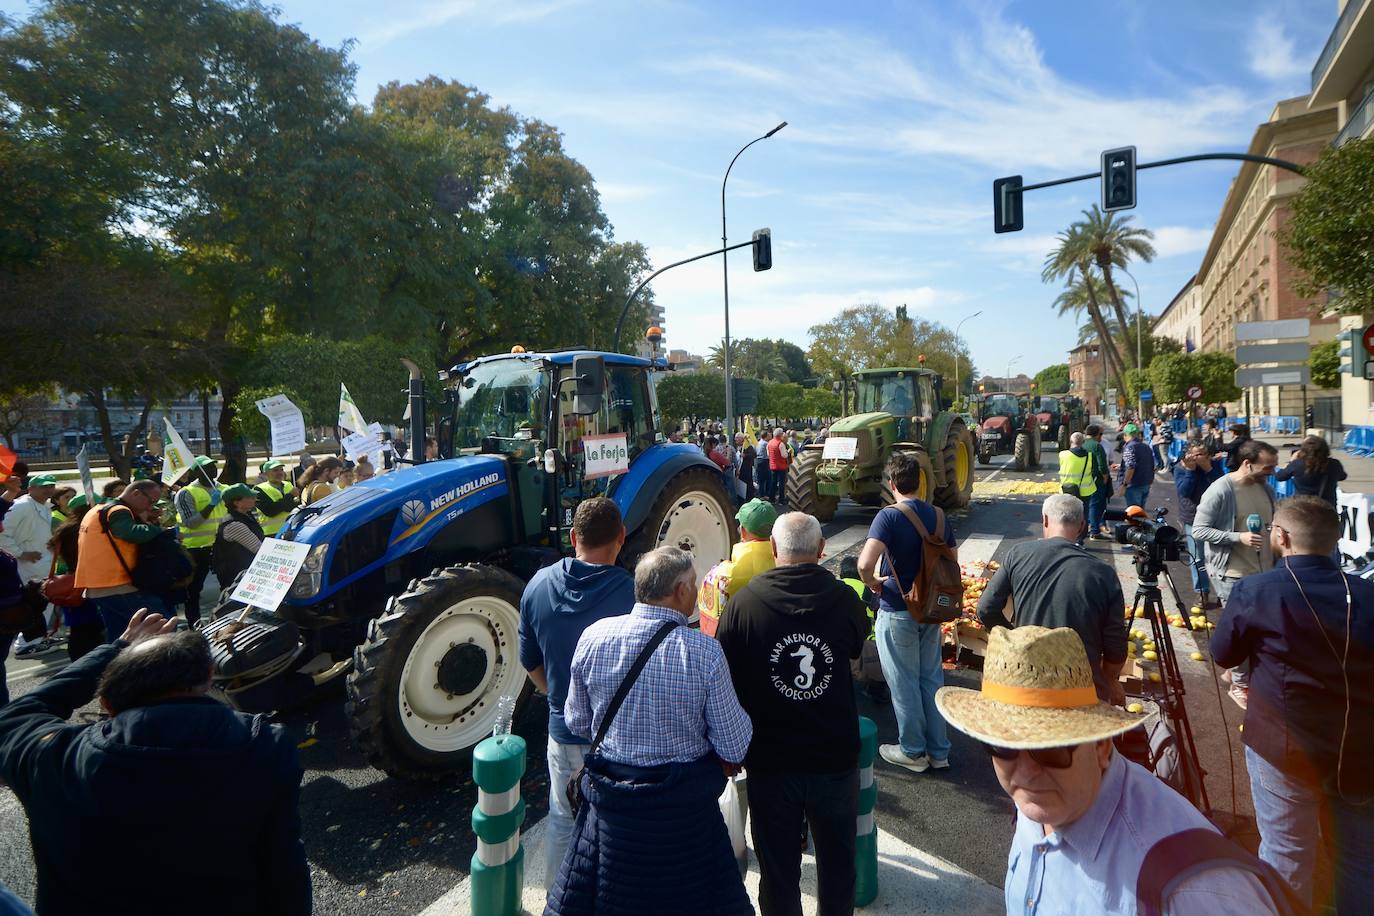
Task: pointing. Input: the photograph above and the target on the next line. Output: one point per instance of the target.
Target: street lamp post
(1009, 362)
(956, 349)
(1140, 402)
(725, 271)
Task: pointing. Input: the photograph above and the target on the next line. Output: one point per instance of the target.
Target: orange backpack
(937, 592)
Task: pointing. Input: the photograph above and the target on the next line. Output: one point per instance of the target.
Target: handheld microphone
(1256, 525)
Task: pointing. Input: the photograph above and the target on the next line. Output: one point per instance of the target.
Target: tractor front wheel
(693, 513)
(427, 681)
(957, 458)
(1063, 436)
(1021, 453)
(1036, 445)
(801, 488)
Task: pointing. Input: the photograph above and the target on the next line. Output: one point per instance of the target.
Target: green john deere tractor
(898, 410)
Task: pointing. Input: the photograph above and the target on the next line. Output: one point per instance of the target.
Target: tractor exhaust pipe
(417, 412)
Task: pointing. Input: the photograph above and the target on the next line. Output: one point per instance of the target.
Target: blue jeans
(1291, 815)
(763, 479)
(117, 610)
(1198, 568)
(1138, 496)
(910, 656)
(1097, 508)
(564, 761)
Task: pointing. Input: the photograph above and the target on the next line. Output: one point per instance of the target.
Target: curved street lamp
(1009, 362)
(1139, 404)
(725, 270)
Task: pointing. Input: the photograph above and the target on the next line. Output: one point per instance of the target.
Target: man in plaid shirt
(650, 837)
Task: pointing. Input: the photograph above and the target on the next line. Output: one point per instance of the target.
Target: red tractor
(1006, 426)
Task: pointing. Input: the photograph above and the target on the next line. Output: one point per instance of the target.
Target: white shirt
(28, 527)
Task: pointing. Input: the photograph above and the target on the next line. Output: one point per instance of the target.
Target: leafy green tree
(784, 400)
(1325, 363)
(691, 395)
(1114, 243)
(871, 336)
(820, 402)
(1330, 232)
(1052, 379)
(21, 405)
(1073, 253)
(1138, 380)
(252, 425)
(1171, 374)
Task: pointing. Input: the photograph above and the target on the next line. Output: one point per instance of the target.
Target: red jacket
(777, 454)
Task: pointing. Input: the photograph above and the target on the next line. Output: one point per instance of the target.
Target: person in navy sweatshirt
(559, 603)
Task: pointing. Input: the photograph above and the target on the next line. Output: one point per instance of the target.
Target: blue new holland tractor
(411, 589)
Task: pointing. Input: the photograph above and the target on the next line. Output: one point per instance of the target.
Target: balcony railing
(1359, 122)
(1333, 43)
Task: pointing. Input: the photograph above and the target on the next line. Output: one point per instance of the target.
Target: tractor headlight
(311, 574)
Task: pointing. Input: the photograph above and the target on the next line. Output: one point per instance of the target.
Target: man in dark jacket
(559, 603)
(170, 768)
(788, 638)
(1307, 631)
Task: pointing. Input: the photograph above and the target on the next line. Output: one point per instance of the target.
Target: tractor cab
(1048, 411)
(911, 396)
(1006, 426)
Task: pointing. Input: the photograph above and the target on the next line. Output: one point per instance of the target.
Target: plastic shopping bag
(732, 810)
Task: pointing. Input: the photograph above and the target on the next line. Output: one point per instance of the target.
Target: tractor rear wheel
(693, 513)
(1035, 448)
(1021, 456)
(923, 490)
(427, 680)
(1063, 436)
(985, 455)
(801, 487)
(957, 458)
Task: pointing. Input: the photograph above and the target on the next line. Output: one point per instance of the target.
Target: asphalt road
(378, 845)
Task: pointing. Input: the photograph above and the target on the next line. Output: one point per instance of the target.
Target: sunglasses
(1054, 758)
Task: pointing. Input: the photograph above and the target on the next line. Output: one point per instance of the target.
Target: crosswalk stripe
(978, 548)
(845, 539)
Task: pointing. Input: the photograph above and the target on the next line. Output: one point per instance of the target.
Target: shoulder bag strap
(630, 677)
(105, 527)
(920, 526)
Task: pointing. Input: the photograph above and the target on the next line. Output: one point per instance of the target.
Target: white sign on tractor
(841, 447)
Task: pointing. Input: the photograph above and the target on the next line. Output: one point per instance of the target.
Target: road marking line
(913, 881)
(978, 547)
(844, 540)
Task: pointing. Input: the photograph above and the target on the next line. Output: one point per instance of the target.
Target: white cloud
(1175, 240)
(432, 15)
(1272, 53)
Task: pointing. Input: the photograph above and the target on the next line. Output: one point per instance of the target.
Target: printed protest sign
(288, 425)
(274, 568)
(606, 455)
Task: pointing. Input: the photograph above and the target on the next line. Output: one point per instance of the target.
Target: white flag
(350, 417)
(83, 464)
(176, 457)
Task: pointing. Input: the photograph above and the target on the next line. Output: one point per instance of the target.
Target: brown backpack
(937, 593)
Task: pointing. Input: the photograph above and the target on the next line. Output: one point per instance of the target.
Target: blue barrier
(1359, 441)
(1176, 448)
(1288, 425)
(1282, 489)
(1179, 426)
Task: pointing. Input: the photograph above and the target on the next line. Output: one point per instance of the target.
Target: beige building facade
(1087, 373)
(1182, 318)
(1245, 275)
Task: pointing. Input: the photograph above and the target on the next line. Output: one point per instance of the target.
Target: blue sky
(900, 116)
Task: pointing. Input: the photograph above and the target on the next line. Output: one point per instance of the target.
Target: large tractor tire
(956, 455)
(801, 487)
(923, 492)
(1021, 453)
(427, 681)
(1036, 446)
(985, 455)
(1063, 436)
(692, 512)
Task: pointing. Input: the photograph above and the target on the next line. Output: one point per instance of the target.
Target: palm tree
(1074, 255)
(1113, 242)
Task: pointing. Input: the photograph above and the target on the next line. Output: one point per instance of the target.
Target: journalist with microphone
(1307, 631)
(1230, 524)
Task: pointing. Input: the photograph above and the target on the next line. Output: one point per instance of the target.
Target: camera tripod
(1171, 691)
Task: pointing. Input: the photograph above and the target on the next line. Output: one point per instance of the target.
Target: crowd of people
(753, 466)
(653, 722)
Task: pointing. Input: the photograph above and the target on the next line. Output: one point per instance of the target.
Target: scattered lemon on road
(1151, 655)
(1196, 656)
(1154, 677)
(1135, 707)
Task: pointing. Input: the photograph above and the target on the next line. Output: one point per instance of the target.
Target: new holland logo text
(462, 490)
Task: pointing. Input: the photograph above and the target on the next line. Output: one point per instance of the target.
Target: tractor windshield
(505, 398)
(1001, 405)
(1049, 405)
(893, 395)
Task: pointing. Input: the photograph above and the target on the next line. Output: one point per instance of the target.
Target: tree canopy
(871, 336)
(1330, 232)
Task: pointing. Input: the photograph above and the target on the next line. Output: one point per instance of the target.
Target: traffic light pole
(619, 325)
(1008, 210)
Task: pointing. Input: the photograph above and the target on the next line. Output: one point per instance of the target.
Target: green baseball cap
(203, 461)
(1130, 428)
(271, 465)
(238, 491)
(757, 517)
(76, 502)
(43, 480)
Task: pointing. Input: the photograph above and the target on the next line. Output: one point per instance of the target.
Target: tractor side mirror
(590, 372)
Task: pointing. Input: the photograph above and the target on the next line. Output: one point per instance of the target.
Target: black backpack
(163, 565)
(1183, 855)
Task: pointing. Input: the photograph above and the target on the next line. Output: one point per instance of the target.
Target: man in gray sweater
(1223, 525)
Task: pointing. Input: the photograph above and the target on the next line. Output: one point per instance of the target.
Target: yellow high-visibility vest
(1074, 470)
(271, 524)
(202, 535)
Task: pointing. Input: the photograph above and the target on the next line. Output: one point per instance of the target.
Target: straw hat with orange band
(1037, 693)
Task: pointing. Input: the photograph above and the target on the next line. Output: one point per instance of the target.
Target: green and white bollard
(497, 876)
(866, 846)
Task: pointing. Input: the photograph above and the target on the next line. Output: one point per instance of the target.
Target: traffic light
(763, 249)
(1118, 179)
(1007, 212)
(1352, 349)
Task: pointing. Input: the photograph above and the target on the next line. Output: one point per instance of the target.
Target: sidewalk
(909, 882)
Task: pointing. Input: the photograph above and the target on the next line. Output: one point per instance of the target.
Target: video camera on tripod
(1155, 541)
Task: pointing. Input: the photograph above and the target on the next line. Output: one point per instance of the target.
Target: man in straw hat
(1086, 816)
